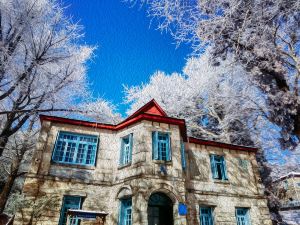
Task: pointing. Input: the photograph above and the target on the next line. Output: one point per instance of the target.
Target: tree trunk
(273, 201)
(6, 191)
(14, 169)
(3, 142)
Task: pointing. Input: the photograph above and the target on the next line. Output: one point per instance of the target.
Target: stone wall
(102, 185)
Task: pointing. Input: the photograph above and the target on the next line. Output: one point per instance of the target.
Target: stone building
(288, 187)
(145, 170)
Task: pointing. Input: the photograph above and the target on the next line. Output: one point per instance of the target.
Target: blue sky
(129, 49)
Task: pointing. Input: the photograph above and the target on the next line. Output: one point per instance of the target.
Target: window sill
(221, 181)
(162, 162)
(87, 167)
(124, 166)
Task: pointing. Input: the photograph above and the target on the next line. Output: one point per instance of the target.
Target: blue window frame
(73, 148)
(218, 167)
(161, 146)
(206, 216)
(69, 202)
(242, 216)
(183, 161)
(125, 217)
(126, 150)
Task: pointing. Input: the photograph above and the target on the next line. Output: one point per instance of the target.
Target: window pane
(69, 202)
(206, 216)
(126, 212)
(218, 167)
(242, 216)
(163, 147)
(75, 149)
(125, 151)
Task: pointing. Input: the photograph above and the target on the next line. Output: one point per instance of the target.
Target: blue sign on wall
(182, 209)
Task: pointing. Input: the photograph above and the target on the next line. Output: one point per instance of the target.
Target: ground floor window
(206, 216)
(69, 202)
(125, 212)
(242, 216)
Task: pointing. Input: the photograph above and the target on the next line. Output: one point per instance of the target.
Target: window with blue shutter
(161, 146)
(125, 217)
(69, 202)
(218, 167)
(126, 150)
(73, 148)
(242, 216)
(206, 217)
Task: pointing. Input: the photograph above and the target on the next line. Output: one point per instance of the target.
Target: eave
(221, 144)
(122, 125)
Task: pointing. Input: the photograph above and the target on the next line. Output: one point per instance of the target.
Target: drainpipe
(187, 181)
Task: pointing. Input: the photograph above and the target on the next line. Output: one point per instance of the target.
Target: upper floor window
(218, 167)
(242, 216)
(161, 146)
(243, 163)
(206, 217)
(69, 202)
(125, 217)
(126, 150)
(73, 148)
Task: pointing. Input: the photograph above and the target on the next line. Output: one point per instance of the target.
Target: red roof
(151, 112)
(151, 108)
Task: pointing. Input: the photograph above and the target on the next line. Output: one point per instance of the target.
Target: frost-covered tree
(42, 70)
(15, 161)
(42, 65)
(262, 35)
(216, 102)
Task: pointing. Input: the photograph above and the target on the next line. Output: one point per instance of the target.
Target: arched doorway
(160, 210)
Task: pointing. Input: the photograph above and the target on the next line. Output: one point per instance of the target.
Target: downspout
(186, 180)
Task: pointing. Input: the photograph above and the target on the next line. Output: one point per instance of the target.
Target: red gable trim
(124, 124)
(76, 122)
(150, 108)
(220, 144)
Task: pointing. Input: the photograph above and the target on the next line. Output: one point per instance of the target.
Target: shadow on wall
(193, 165)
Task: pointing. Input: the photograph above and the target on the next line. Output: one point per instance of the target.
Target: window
(218, 167)
(161, 146)
(69, 202)
(243, 163)
(73, 148)
(126, 150)
(125, 212)
(242, 216)
(206, 217)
